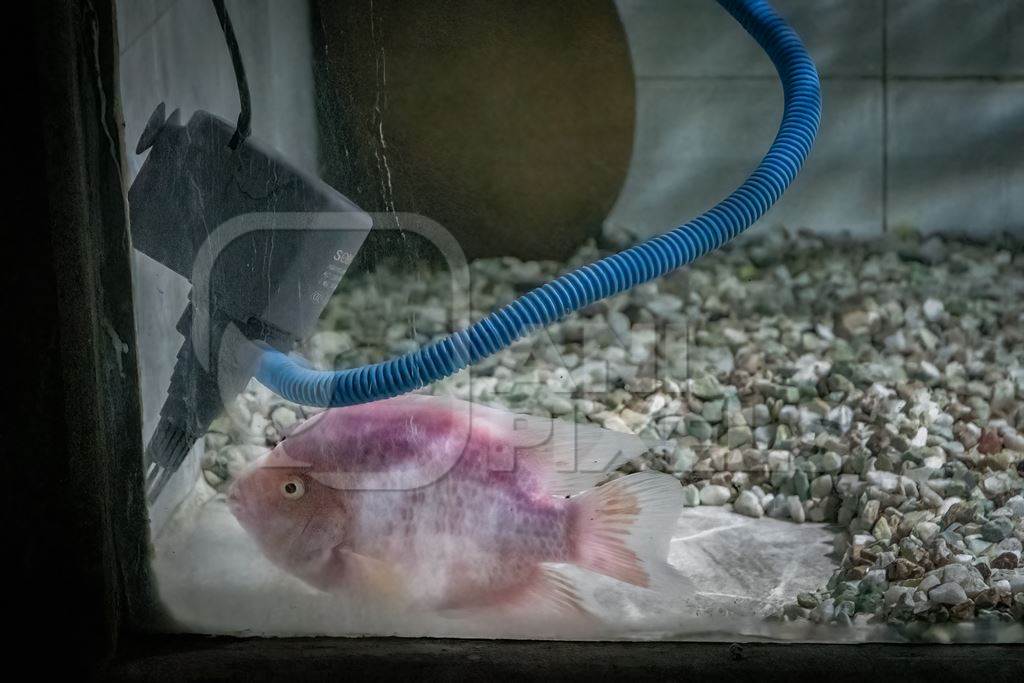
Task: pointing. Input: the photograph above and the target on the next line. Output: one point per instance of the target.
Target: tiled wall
(923, 124)
(173, 51)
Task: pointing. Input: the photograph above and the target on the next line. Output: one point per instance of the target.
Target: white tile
(697, 38)
(180, 60)
(697, 140)
(141, 92)
(134, 17)
(184, 62)
(956, 37)
(955, 160)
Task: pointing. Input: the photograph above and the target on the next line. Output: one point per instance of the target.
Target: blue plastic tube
(606, 277)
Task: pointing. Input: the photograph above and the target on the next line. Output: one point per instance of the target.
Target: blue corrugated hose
(604, 278)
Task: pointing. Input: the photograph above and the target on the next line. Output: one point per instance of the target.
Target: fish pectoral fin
(552, 590)
(370, 575)
(547, 594)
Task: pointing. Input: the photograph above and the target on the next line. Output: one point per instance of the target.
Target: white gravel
(876, 386)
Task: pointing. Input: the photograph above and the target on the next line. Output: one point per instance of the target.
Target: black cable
(245, 115)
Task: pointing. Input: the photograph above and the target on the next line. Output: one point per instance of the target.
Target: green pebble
(801, 485)
(997, 529)
(808, 600)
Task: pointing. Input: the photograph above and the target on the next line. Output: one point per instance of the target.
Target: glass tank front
(814, 432)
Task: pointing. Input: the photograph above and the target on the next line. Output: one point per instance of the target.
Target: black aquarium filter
(263, 244)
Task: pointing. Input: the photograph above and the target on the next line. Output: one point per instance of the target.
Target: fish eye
(293, 488)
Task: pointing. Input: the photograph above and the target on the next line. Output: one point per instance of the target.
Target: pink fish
(441, 504)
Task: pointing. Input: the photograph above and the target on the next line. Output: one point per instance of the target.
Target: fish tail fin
(623, 529)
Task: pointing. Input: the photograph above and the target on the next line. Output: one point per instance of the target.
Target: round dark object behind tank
(510, 123)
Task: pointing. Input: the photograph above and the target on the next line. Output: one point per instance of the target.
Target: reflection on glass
(801, 436)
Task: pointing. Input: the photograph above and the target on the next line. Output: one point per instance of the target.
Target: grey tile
(956, 37)
(134, 17)
(137, 17)
(839, 189)
(697, 38)
(181, 59)
(193, 62)
(955, 161)
(141, 92)
(697, 140)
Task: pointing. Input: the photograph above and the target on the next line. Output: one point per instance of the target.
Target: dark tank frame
(83, 599)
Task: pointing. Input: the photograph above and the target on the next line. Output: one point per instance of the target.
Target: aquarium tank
(592, 320)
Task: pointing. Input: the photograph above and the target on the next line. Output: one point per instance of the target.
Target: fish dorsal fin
(575, 456)
(568, 456)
